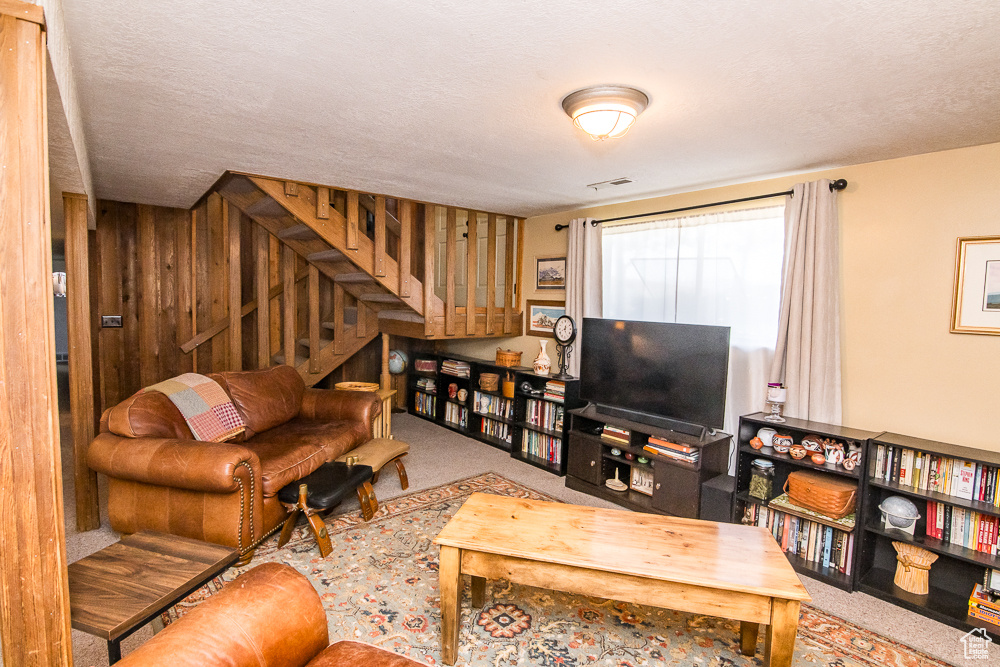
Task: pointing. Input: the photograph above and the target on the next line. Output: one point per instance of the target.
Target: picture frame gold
(976, 296)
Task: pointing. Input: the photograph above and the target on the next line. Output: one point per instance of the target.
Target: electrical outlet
(111, 321)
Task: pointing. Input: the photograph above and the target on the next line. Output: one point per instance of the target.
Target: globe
(397, 362)
(899, 511)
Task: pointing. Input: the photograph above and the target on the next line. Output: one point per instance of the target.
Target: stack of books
(672, 450)
(964, 527)
(921, 471)
(615, 434)
(427, 385)
(555, 390)
(811, 541)
(543, 414)
(985, 606)
(456, 368)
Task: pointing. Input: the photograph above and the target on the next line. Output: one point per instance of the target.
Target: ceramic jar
(765, 434)
(782, 443)
(542, 363)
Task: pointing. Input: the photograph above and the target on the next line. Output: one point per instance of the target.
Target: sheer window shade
(720, 269)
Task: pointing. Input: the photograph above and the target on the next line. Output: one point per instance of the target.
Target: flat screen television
(659, 369)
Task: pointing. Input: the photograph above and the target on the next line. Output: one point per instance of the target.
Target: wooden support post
(491, 271)
(262, 246)
(81, 377)
(194, 285)
(361, 330)
(217, 276)
(471, 271)
(232, 215)
(288, 304)
(352, 220)
(429, 210)
(519, 273)
(449, 268)
(291, 189)
(149, 287)
(385, 380)
(405, 235)
(508, 285)
(34, 606)
(314, 323)
(323, 203)
(380, 236)
(338, 318)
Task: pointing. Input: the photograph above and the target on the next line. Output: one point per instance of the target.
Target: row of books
(543, 414)
(542, 446)
(495, 429)
(425, 404)
(985, 606)
(456, 414)
(672, 450)
(427, 385)
(966, 528)
(616, 434)
(457, 368)
(921, 471)
(555, 391)
(813, 542)
(488, 404)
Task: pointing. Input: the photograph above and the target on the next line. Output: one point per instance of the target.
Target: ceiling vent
(607, 184)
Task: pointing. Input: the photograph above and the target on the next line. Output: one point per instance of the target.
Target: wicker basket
(357, 386)
(822, 493)
(489, 381)
(913, 567)
(508, 358)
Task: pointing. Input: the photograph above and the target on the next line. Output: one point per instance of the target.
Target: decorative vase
(542, 364)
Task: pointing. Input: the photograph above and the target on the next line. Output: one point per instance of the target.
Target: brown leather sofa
(160, 478)
(267, 617)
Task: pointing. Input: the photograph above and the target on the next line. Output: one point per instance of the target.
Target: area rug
(380, 586)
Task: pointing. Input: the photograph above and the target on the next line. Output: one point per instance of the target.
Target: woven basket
(508, 358)
(489, 381)
(357, 386)
(913, 567)
(822, 493)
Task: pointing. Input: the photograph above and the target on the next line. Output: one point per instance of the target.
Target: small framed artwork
(642, 480)
(976, 300)
(542, 316)
(550, 273)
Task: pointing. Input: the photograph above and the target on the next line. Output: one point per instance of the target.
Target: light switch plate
(111, 321)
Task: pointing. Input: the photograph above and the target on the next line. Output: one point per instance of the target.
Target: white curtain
(719, 269)
(583, 279)
(807, 352)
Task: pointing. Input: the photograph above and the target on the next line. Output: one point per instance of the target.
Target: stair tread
(403, 315)
(379, 297)
(356, 277)
(331, 255)
(299, 232)
(279, 358)
(323, 342)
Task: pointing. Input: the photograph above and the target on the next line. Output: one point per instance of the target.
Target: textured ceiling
(459, 101)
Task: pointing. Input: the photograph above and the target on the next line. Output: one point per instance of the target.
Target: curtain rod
(838, 184)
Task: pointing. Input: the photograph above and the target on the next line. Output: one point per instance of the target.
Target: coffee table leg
(114, 651)
(780, 638)
(748, 637)
(449, 581)
(478, 592)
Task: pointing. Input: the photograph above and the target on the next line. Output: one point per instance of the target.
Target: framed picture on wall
(542, 316)
(976, 300)
(550, 273)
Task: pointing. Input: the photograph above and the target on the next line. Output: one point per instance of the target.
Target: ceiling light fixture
(605, 111)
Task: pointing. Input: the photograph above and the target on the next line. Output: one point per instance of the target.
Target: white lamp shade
(605, 111)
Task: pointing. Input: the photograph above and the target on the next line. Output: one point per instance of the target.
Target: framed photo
(542, 316)
(550, 273)
(976, 301)
(642, 480)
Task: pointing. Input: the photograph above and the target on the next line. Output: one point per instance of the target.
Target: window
(721, 269)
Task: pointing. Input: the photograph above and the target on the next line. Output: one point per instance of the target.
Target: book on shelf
(677, 447)
(427, 385)
(425, 404)
(923, 471)
(456, 415)
(811, 541)
(963, 527)
(493, 406)
(425, 365)
(541, 446)
(495, 429)
(555, 391)
(457, 368)
(672, 454)
(544, 414)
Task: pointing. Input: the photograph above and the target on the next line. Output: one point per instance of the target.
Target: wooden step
(350, 318)
(379, 297)
(323, 342)
(280, 359)
(354, 278)
(266, 208)
(331, 255)
(401, 315)
(298, 233)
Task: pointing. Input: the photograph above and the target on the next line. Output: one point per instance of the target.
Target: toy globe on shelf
(776, 395)
(398, 362)
(899, 513)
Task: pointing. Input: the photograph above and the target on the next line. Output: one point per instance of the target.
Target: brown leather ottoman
(379, 451)
(321, 491)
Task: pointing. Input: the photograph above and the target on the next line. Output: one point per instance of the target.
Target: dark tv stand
(676, 425)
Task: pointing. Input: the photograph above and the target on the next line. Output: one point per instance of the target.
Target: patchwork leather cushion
(264, 398)
(356, 654)
(147, 415)
(327, 485)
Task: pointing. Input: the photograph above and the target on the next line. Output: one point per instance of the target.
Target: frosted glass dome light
(605, 111)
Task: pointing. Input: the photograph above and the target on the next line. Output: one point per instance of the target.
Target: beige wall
(902, 369)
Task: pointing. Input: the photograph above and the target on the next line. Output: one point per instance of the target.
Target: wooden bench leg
(293, 515)
(404, 482)
(319, 532)
(478, 592)
(367, 500)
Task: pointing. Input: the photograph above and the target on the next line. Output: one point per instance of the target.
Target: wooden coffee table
(702, 567)
(114, 592)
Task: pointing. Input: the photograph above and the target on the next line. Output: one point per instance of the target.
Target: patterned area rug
(380, 586)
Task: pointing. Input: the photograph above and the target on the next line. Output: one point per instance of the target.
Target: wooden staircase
(354, 265)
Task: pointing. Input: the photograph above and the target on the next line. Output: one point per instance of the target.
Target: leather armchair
(160, 478)
(266, 617)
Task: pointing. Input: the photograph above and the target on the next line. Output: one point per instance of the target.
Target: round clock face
(564, 330)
